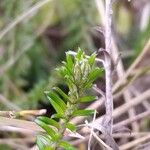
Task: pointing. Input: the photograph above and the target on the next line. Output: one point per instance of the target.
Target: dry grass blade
(20, 124)
(125, 107)
(90, 138)
(108, 73)
(130, 120)
(23, 113)
(20, 18)
(135, 142)
(134, 64)
(100, 141)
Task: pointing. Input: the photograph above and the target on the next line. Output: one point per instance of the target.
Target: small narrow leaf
(41, 141)
(48, 129)
(87, 99)
(94, 74)
(71, 127)
(57, 99)
(92, 59)
(79, 54)
(49, 121)
(83, 112)
(67, 70)
(66, 145)
(57, 107)
(65, 96)
(48, 148)
(69, 61)
(87, 85)
(58, 116)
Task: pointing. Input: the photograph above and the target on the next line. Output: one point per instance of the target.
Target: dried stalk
(125, 107)
(133, 119)
(20, 124)
(134, 64)
(135, 142)
(119, 68)
(108, 73)
(23, 113)
(116, 135)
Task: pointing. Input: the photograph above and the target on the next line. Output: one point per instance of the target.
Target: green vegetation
(78, 72)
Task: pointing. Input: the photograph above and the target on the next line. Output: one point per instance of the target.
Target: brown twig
(116, 135)
(125, 107)
(23, 113)
(146, 104)
(134, 64)
(130, 120)
(135, 142)
(108, 73)
(20, 124)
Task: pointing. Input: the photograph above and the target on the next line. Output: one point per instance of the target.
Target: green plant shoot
(79, 72)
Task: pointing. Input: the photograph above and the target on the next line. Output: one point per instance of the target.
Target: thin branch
(134, 64)
(116, 135)
(20, 124)
(98, 90)
(90, 138)
(119, 68)
(108, 73)
(23, 113)
(135, 101)
(100, 141)
(125, 107)
(130, 120)
(146, 103)
(135, 142)
(131, 112)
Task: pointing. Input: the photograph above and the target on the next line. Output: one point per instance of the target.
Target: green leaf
(87, 99)
(48, 148)
(65, 96)
(57, 99)
(67, 70)
(66, 145)
(48, 129)
(42, 141)
(69, 61)
(56, 106)
(58, 116)
(83, 112)
(57, 102)
(79, 54)
(71, 127)
(61, 71)
(49, 121)
(87, 85)
(95, 73)
(92, 59)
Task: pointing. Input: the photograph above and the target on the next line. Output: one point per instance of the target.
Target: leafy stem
(79, 72)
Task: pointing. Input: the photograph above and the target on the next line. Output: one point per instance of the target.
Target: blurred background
(32, 49)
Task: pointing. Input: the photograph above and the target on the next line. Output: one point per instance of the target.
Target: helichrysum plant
(79, 72)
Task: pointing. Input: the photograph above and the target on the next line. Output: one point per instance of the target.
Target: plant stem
(63, 124)
(109, 98)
